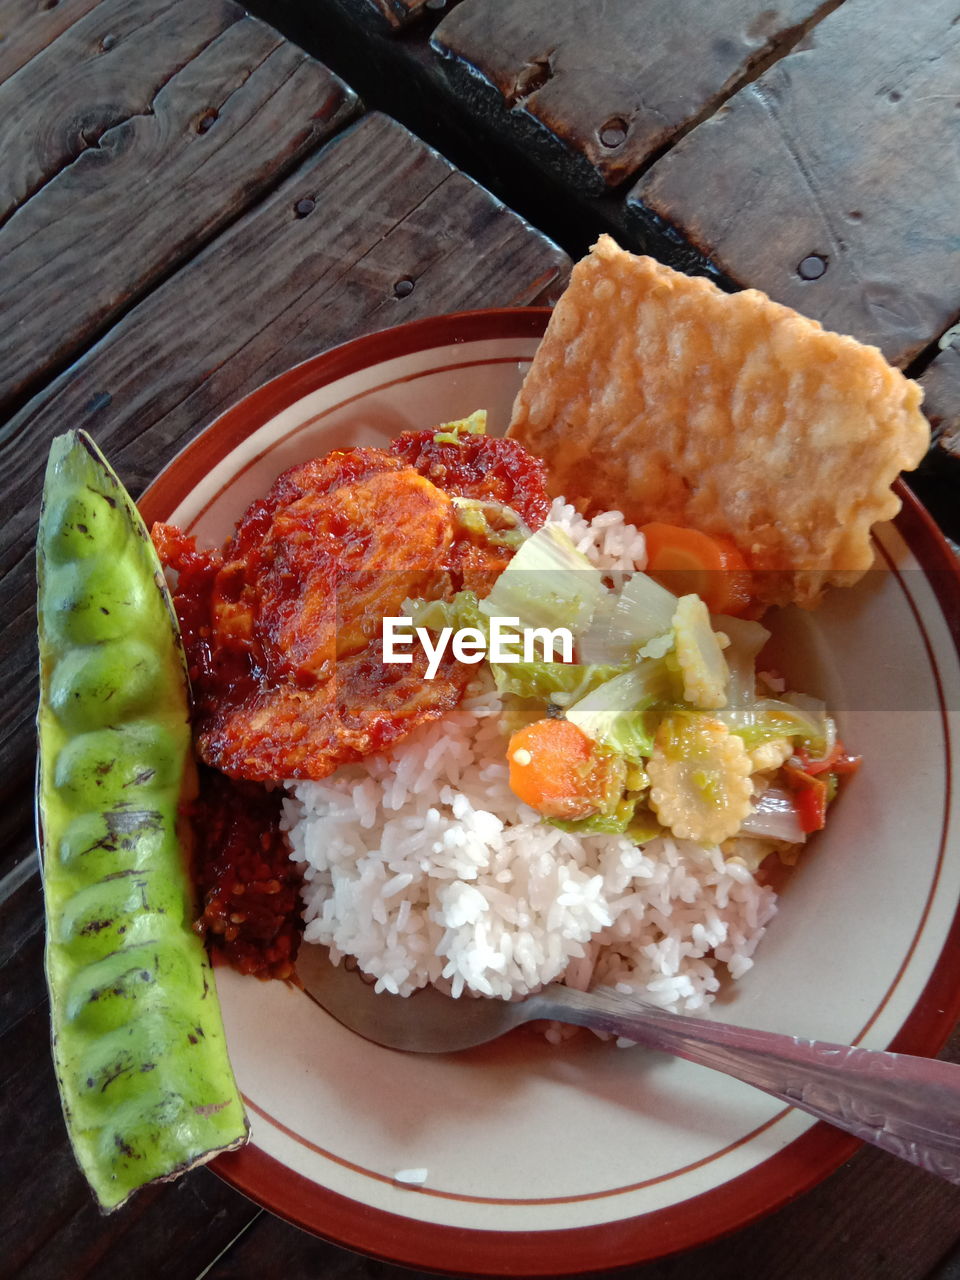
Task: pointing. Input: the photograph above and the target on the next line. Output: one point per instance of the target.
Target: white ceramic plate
(549, 1160)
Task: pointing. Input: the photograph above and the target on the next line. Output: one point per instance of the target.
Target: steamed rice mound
(422, 864)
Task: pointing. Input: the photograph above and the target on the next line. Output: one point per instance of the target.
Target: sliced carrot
(554, 769)
(687, 561)
(810, 796)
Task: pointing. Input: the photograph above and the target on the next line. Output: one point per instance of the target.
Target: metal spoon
(906, 1105)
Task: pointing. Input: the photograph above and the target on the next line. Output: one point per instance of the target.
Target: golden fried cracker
(659, 395)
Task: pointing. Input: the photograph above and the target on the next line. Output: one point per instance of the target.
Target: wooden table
(806, 148)
(191, 203)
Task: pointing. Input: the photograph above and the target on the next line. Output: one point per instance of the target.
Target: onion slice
(774, 817)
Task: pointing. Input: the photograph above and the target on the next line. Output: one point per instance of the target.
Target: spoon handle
(906, 1105)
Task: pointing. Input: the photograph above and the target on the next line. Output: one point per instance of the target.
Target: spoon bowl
(907, 1105)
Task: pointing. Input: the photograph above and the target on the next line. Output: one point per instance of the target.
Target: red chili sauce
(245, 880)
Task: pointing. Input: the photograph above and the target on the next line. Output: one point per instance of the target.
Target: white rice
(422, 864)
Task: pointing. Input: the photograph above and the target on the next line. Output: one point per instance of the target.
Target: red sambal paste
(248, 887)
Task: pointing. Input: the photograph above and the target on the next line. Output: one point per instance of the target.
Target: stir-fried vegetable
(745, 641)
(624, 622)
(138, 1041)
(771, 754)
(838, 761)
(700, 783)
(705, 674)
(492, 521)
(692, 563)
(462, 611)
(548, 583)
(774, 817)
(649, 666)
(559, 683)
(557, 770)
(810, 797)
(474, 425)
(616, 714)
(769, 719)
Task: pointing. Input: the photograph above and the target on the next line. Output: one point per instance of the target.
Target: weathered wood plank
(313, 264)
(27, 26)
(598, 88)
(50, 1224)
(186, 125)
(827, 182)
(402, 78)
(104, 69)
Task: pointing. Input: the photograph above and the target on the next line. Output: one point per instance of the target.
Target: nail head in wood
(812, 267)
(403, 288)
(613, 133)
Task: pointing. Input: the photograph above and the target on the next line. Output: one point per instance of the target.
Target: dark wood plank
(609, 84)
(827, 183)
(395, 15)
(941, 398)
(105, 68)
(50, 1224)
(312, 265)
(27, 26)
(937, 482)
(197, 111)
(402, 77)
(948, 1268)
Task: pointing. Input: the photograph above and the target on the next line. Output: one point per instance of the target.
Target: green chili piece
(138, 1039)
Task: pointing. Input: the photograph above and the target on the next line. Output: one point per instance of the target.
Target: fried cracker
(659, 395)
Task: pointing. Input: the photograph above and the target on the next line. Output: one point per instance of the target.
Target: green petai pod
(138, 1039)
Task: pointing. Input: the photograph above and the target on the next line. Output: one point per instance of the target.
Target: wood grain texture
(314, 264)
(609, 84)
(180, 124)
(106, 68)
(836, 158)
(50, 1223)
(27, 26)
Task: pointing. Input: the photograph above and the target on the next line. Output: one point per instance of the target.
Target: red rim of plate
(743, 1199)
